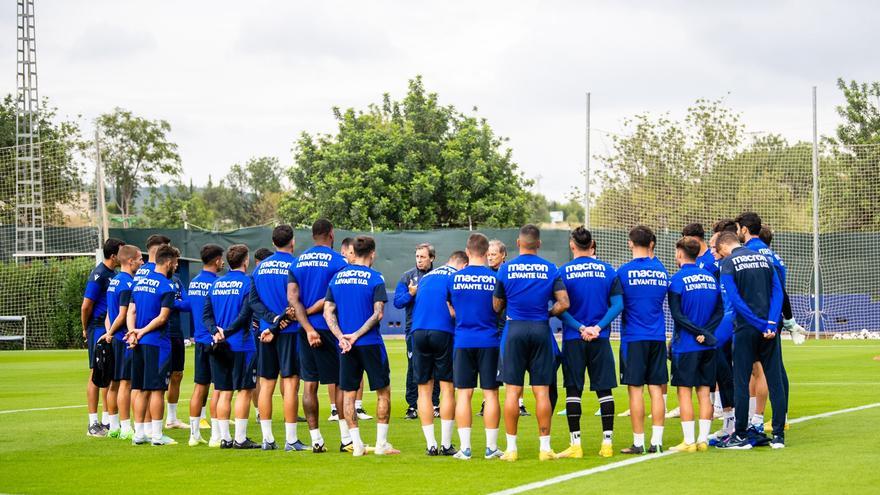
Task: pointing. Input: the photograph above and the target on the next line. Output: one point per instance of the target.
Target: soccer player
(178, 351)
(353, 308)
(199, 291)
(227, 314)
(404, 298)
(278, 353)
(476, 343)
(347, 250)
(723, 358)
(432, 338)
(152, 301)
(118, 297)
(92, 314)
(259, 256)
(525, 285)
(596, 300)
(696, 308)
(318, 348)
(755, 291)
(644, 281)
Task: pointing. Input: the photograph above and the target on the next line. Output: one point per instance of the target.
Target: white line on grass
(645, 458)
(10, 411)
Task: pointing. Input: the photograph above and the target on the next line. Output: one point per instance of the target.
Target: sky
(243, 79)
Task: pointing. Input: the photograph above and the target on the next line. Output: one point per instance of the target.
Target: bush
(49, 293)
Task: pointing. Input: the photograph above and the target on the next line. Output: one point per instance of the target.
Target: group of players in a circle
(478, 320)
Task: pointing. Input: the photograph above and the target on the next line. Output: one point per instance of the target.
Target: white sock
(753, 404)
(464, 436)
(241, 430)
(381, 434)
(290, 432)
(114, 421)
(344, 433)
(665, 402)
(639, 439)
(224, 430)
(139, 429)
(687, 428)
(705, 426)
(757, 419)
(358, 404)
(430, 439)
(492, 438)
(607, 436)
(148, 429)
(356, 437)
(575, 437)
(545, 443)
(215, 430)
(511, 442)
(446, 426)
(125, 425)
(156, 429)
(194, 427)
(266, 428)
(105, 417)
(93, 418)
(172, 412)
(729, 421)
(317, 439)
(521, 403)
(717, 401)
(656, 435)
(257, 411)
(204, 413)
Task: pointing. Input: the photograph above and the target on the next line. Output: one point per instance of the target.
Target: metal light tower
(29, 231)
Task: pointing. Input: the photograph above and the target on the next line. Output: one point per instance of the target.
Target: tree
(62, 172)
(411, 164)
(135, 152)
(257, 185)
(178, 205)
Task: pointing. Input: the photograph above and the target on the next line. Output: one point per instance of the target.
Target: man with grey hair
(404, 298)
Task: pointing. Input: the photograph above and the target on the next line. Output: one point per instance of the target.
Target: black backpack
(103, 365)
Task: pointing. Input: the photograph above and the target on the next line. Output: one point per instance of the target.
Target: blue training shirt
(96, 291)
(199, 290)
(590, 284)
(644, 282)
(724, 332)
(143, 271)
(229, 294)
(119, 294)
(707, 262)
(527, 282)
(430, 311)
(152, 293)
(270, 280)
(470, 292)
(354, 290)
(699, 296)
(312, 272)
(752, 284)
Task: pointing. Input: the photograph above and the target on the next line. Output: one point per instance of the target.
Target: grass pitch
(47, 451)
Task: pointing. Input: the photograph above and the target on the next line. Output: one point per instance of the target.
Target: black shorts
(279, 357)
(121, 361)
(319, 364)
(432, 356)
(91, 339)
(150, 367)
(528, 348)
(240, 374)
(470, 363)
(643, 363)
(372, 359)
(694, 369)
(202, 373)
(594, 357)
(178, 354)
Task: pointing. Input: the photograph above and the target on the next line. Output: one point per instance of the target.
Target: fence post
(817, 311)
(99, 178)
(587, 171)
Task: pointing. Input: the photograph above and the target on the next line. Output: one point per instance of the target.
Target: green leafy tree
(135, 152)
(410, 164)
(61, 171)
(179, 205)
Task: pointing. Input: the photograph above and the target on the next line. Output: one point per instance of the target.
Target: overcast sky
(240, 79)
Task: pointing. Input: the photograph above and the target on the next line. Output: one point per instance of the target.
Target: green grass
(48, 452)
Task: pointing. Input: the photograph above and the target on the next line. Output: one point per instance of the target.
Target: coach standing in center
(404, 297)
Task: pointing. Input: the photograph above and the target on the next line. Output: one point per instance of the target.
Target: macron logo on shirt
(528, 270)
(274, 267)
(473, 282)
(354, 277)
(319, 260)
(587, 269)
(647, 277)
(750, 262)
(699, 281)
